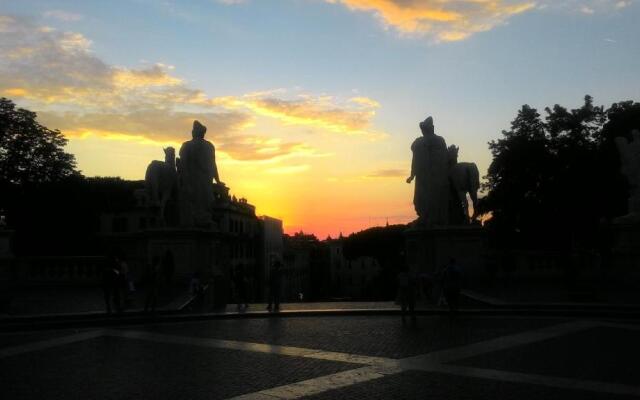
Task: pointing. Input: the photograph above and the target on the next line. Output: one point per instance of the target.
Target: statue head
(426, 126)
(198, 130)
(169, 154)
(453, 153)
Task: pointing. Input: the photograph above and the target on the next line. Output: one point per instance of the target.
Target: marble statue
(197, 169)
(464, 178)
(430, 169)
(630, 167)
(161, 182)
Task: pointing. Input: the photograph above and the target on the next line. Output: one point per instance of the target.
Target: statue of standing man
(196, 171)
(430, 169)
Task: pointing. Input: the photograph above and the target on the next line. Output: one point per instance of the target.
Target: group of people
(443, 288)
(118, 283)
(239, 278)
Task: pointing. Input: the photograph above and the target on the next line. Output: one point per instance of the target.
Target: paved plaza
(328, 357)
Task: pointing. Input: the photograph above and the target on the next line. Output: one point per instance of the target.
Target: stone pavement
(38, 301)
(317, 357)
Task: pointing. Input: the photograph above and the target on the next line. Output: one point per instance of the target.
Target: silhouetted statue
(430, 168)
(161, 182)
(465, 178)
(197, 170)
(630, 167)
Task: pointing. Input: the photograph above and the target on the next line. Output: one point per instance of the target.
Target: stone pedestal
(626, 248)
(193, 250)
(428, 250)
(5, 243)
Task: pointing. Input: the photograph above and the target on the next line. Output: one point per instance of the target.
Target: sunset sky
(312, 104)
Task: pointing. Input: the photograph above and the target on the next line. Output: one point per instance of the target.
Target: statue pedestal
(428, 250)
(192, 249)
(5, 243)
(626, 248)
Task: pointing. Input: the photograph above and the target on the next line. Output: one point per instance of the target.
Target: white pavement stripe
(316, 385)
(500, 343)
(255, 347)
(552, 381)
(45, 344)
(351, 358)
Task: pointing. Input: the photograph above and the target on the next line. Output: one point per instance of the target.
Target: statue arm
(414, 167)
(413, 170)
(214, 167)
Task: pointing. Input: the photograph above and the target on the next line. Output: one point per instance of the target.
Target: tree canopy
(30, 152)
(553, 180)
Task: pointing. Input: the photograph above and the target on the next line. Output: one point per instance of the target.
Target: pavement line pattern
(315, 385)
(45, 344)
(435, 362)
(255, 347)
(372, 367)
(552, 381)
(501, 343)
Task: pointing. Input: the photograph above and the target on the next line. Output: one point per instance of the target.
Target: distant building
(306, 271)
(271, 247)
(237, 237)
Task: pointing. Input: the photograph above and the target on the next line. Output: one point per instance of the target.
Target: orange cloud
(317, 111)
(154, 76)
(388, 173)
(443, 20)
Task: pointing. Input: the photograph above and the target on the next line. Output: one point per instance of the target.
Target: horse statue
(161, 181)
(464, 178)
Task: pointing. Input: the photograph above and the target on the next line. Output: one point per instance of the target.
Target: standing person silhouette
(240, 284)
(407, 292)
(275, 276)
(110, 274)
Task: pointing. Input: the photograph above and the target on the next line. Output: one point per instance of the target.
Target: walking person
(152, 282)
(123, 282)
(275, 276)
(407, 293)
(110, 276)
(240, 284)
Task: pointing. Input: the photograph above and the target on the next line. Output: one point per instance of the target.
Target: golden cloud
(81, 95)
(75, 91)
(388, 173)
(443, 20)
(150, 77)
(317, 111)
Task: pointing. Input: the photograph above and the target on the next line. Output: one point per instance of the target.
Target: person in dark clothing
(152, 279)
(452, 284)
(407, 293)
(111, 290)
(121, 283)
(240, 283)
(274, 285)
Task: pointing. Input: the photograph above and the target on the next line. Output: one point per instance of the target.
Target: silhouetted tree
(30, 152)
(552, 181)
(386, 245)
(62, 218)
